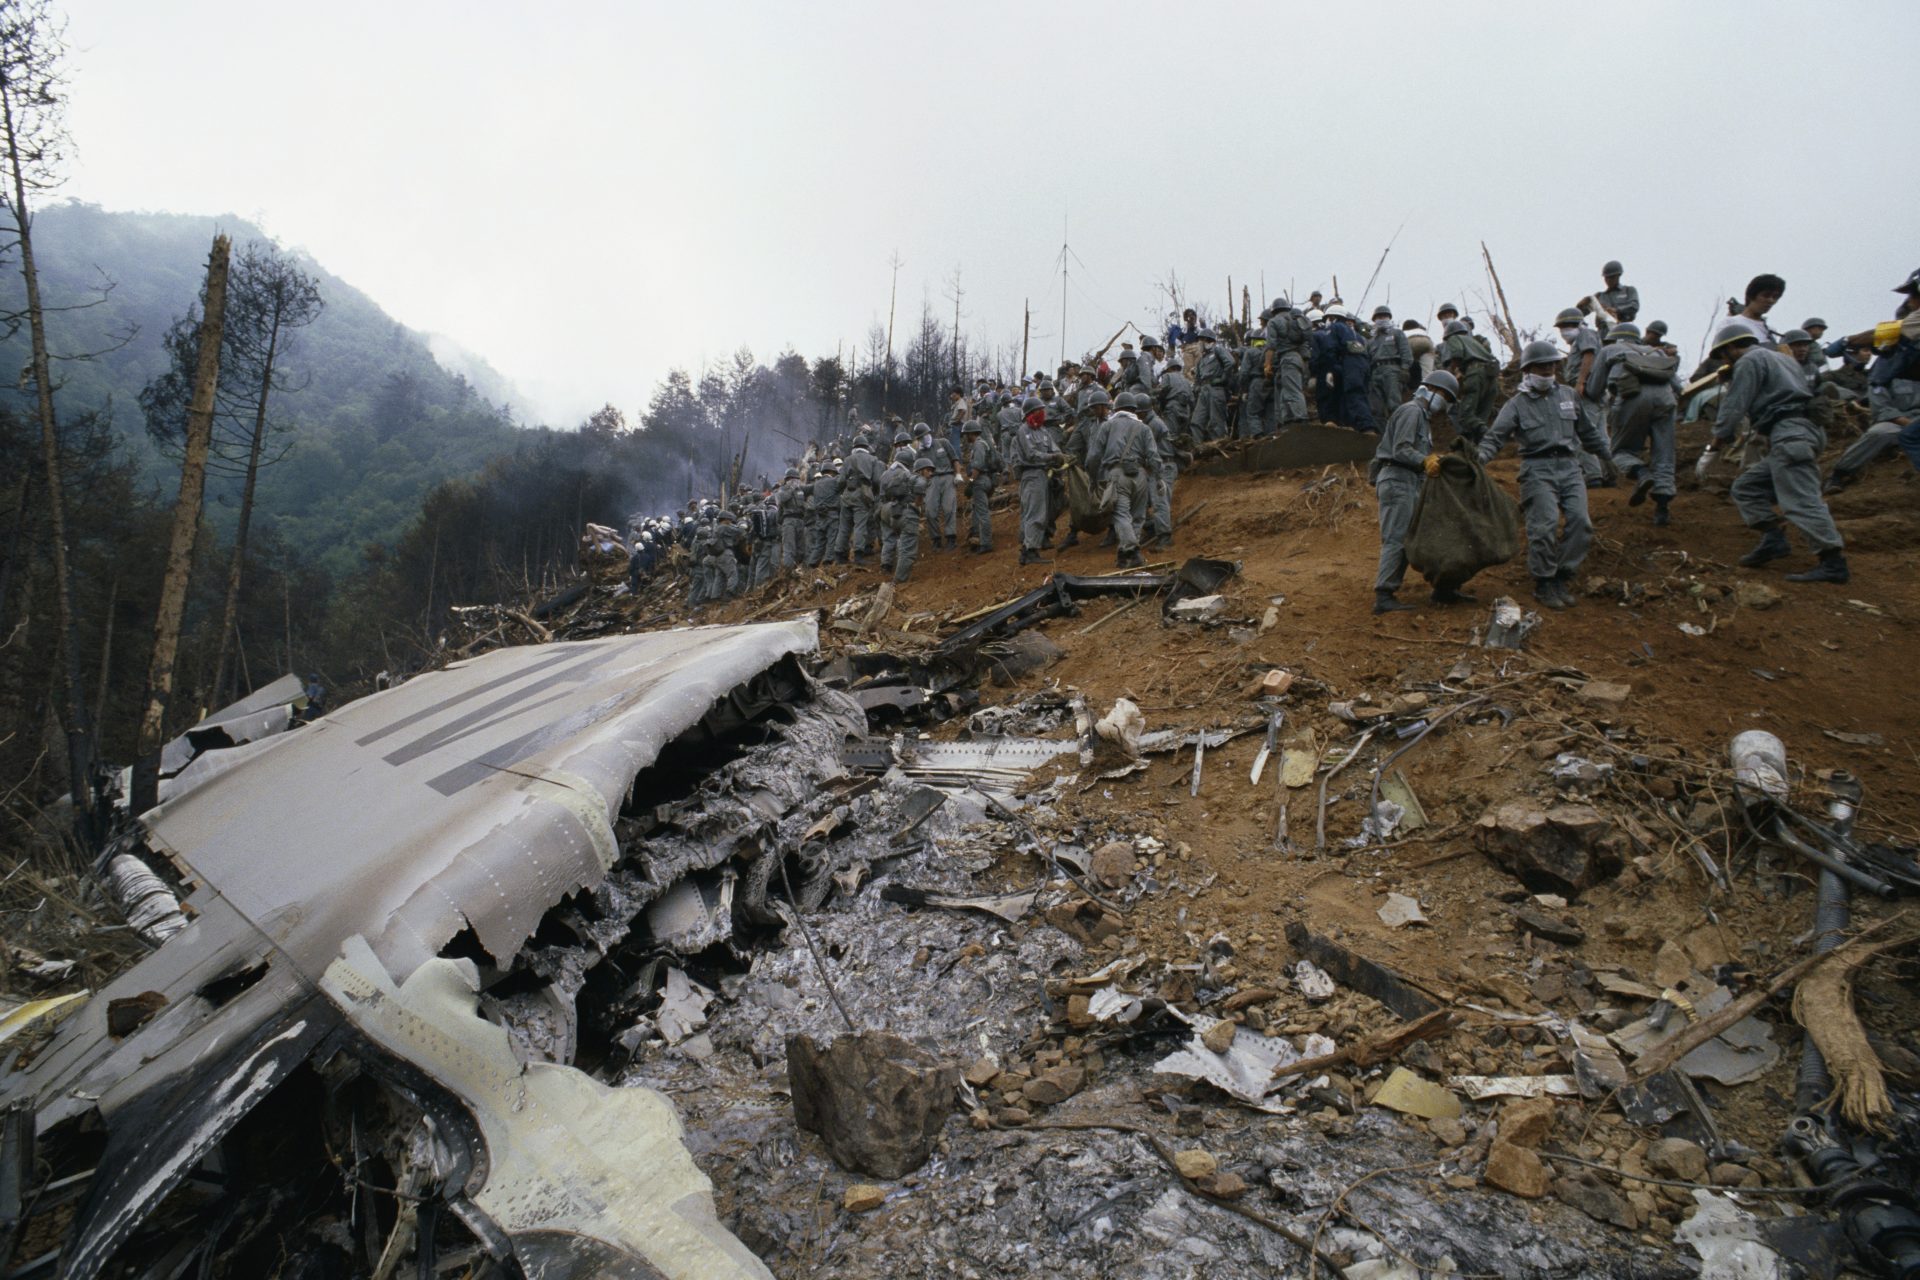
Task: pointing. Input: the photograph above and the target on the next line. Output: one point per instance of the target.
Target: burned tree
(268, 298)
(186, 526)
(32, 120)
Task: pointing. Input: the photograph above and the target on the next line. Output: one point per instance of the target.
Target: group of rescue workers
(1603, 406)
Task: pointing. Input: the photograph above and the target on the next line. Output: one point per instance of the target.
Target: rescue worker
(1160, 484)
(700, 576)
(1765, 387)
(1400, 465)
(942, 502)
(1353, 372)
(1256, 390)
(1392, 355)
(1469, 359)
(763, 530)
(1583, 352)
(1645, 386)
(909, 507)
(1816, 358)
(1174, 394)
(1618, 303)
(1288, 336)
(982, 467)
(896, 501)
(1128, 457)
(1543, 420)
(1891, 385)
(723, 566)
(859, 496)
(823, 513)
(790, 510)
(1031, 454)
(1213, 383)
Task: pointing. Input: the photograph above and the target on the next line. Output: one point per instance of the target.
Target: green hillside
(376, 423)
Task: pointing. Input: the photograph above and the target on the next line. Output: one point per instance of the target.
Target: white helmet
(1316, 315)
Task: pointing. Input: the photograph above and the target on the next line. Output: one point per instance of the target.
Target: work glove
(1432, 466)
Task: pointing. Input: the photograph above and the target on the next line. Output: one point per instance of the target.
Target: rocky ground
(1072, 1154)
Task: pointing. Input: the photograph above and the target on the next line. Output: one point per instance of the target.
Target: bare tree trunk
(16, 539)
(106, 658)
(79, 735)
(229, 615)
(186, 528)
(286, 600)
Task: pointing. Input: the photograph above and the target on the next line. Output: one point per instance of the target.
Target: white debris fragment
(1723, 1234)
(1314, 982)
(683, 1007)
(1400, 911)
(1111, 1004)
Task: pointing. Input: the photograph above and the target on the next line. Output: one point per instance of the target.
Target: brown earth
(1821, 658)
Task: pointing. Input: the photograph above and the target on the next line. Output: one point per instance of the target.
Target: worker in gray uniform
(763, 530)
(1643, 385)
(1213, 383)
(1467, 357)
(1400, 465)
(1618, 303)
(723, 565)
(1392, 355)
(1288, 335)
(859, 495)
(1160, 484)
(791, 501)
(909, 508)
(895, 506)
(1583, 353)
(1766, 387)
(699, 590)
(1030, 454)
(1256, 390)
(982, 468)
(1127, 458)
(1174, 394)
(823, 513)
(1544, 421)
(942, 500)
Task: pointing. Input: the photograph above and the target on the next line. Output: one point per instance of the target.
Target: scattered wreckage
(451, 949)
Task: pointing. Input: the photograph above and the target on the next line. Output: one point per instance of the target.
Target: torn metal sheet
(584, 1180)
(1010, 907)
(993, 764)
(264, 712)
(1744, 1051)
(474, 797)
(691, 915)
(1480, 1088)
(1246, 1069)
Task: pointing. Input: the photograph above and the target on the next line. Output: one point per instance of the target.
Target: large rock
(1563, 849)
(875, 1100)
(1517, 1170)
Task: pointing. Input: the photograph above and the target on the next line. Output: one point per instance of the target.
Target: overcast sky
(590, 193)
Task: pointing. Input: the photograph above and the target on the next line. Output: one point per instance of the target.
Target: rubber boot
(1451, 595)
(1073, 539)
(1642, 486)
(1029, 556)
(1773, 546)
(1661, 516)
(1547, 592)
(1387, 602)
(1108, 539)
(1564, 581)
(1831, 568)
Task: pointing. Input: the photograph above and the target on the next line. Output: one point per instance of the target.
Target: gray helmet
(1383, 311)
(1625, 331)
(1441, 380)
(1130, 400)
(971, 427)
(1911, 284)
(924, 461)
(793, 473)
(1094, 397)
(725, 513)
(1612, 268)
(1814, 322)
(1278, 305)
(1444, 308)
(1033, 404)
(1792, 336)
(900, 438)
(1658, 329)
(1731, 335)
(1539, 352)
(1456, 326)
(1569, 315)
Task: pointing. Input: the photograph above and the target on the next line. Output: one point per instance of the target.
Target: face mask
(1538, 383)
(1568, 331)
(1426, 398)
